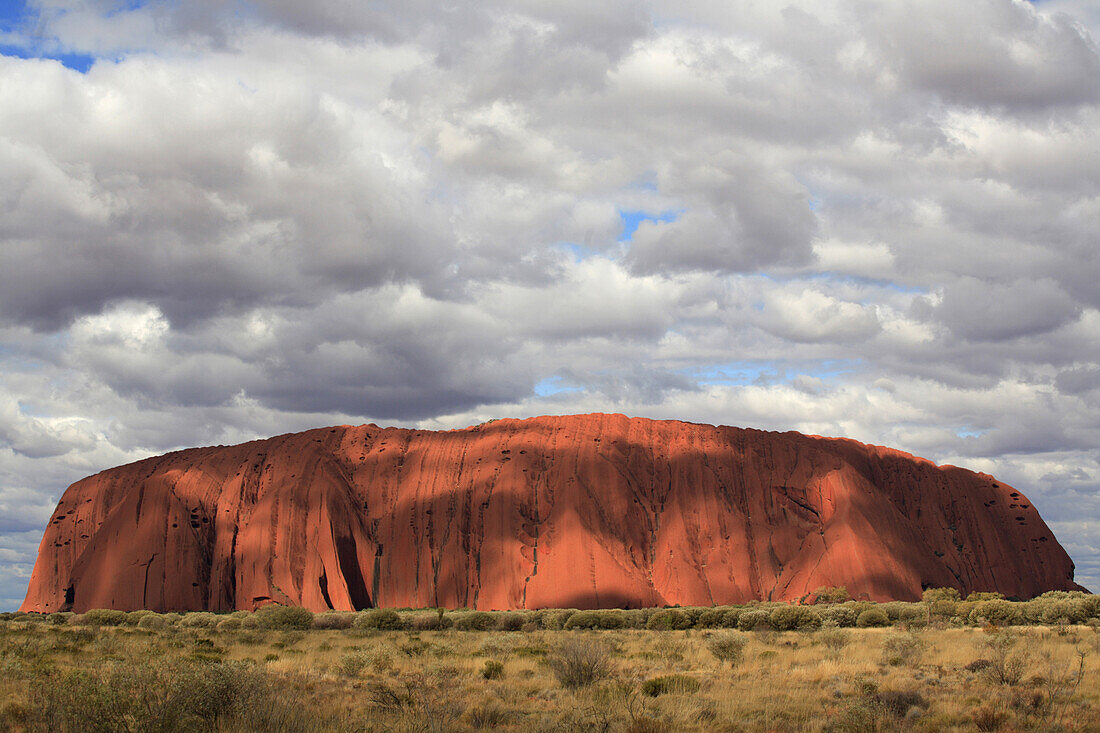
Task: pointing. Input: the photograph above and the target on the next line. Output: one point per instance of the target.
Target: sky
(225, 220)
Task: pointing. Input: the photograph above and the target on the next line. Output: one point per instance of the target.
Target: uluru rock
(581, 511)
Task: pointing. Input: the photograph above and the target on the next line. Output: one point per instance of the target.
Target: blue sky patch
(633, 219)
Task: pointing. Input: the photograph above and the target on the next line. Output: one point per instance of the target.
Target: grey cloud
(986, 53)
(985, 311)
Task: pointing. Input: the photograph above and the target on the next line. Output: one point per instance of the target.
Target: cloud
(874, 220)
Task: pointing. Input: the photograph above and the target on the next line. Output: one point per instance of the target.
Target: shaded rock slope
(579, 511)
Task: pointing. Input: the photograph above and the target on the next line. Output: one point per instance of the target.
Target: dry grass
(361, 679)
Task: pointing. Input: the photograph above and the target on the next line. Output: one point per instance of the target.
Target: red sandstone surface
(581, 511)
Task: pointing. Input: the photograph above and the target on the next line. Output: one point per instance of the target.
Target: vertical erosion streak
(348, 557)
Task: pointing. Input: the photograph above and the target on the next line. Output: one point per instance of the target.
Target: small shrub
(996, 612)
(843, 616)
(134, 617)
(833, 638)
(578, 662)
(475, 621)
(988, 717)
(283, 617)
(493, 670)
(103, 617)
(152, 621)
(727, 647)
(379, 619)
(899, 702)
(199, 620)
(595, 620)
(350, 665)
(333, 620)
(556, 620)
(832, 594)
(668, 619)
(794, 618)
(753, 620)
(902, 649)
(672, 683)
(872, 618)
(509, 622)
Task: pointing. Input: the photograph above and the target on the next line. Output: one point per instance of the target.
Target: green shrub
(844, 616)
(668, 619)
(350, 665)
(229, 623)
(596, 620)
(871, 618)
(833, 638)
(794, 618)
(103, 617)
(902, 649)
(493, 670)
(379, 619)
(674, 683)
(199, 620)
(580, 662)
(152, 621)
(831, 594)
(996, 612)
(1068, 611)
(731, 617)
(283, 617)
(509, 621)
(753, 620)
(134, 617)
(727, 647)
(333, 620)
(932, 595)
(710, 618)
(556, 620)
(475, 621)
(980, 595)
(61, 618)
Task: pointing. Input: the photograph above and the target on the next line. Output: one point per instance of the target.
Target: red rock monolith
(580, 511)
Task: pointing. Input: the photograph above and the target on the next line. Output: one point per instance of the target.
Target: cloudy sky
(223, 220)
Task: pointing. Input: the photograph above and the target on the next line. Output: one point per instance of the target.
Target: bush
(61, 618)
(595, 620)
(333, 620)
(578, 662)
(833, 638)
(668, 619)
(678, 683)
(199, 620)
(350, 665)
(902, 649)
(832, 594)
(1069, 611)
(727, 647)
(794, 618)
(996, 612)
(229, 623)
(843, 616)
(134, 617)
(283, 617)
(103, 617)
(379, 619)
(871, 618)
(753, 620)
(161, 696)
(509, 622)
(152, 621)
(475, 621)
(493, 670)
(556, 620)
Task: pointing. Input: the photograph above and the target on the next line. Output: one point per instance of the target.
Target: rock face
(582, 511)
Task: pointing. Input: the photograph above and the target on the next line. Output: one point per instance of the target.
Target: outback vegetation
(946, 663)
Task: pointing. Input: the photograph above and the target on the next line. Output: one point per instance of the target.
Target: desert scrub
(668, 619)
(333, 620)
(833, 638)
(199, 620)
(351, 664)
(794, 618)
(727, 647)
(872, 618)
(379, 619)
(102, 617)
(580, 662)
(596, 620)
(670, 683)
(754, 620)
(475, 621)
(492, 670)
(902, 649)
(283, 617)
